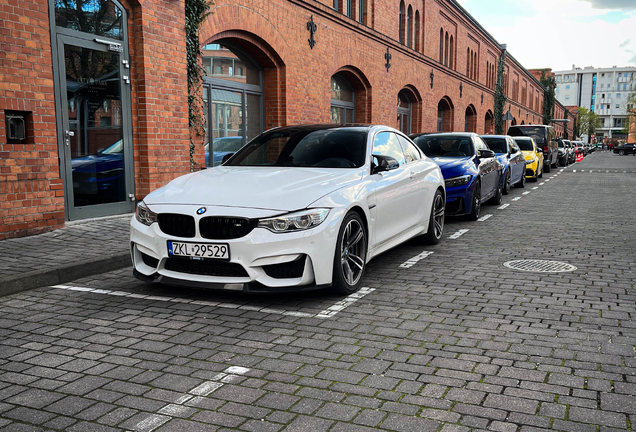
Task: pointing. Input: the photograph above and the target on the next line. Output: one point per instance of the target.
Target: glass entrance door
(97, 154)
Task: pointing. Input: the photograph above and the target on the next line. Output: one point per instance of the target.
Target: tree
(588, 121)
(549, 84)
(630, 126)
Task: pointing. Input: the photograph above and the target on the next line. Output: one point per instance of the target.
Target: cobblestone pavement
(80, 249)
(442, 338)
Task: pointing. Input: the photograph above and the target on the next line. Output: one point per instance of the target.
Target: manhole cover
(541, 266)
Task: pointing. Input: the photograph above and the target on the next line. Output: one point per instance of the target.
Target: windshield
(498, 145)
(524, 144)
(116, 148)
(445, 146)
(227, 144)
(536, 132)
(327, 148)
(560, 143)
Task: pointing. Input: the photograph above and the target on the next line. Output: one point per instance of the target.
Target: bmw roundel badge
(201, 210)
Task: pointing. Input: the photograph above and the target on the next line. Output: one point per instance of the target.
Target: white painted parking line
(536, 187)
(458, 234)
(573, 170)
(503, 206)
(346, 302)
(151, 423)
(412, 261)
(542, 183)
(516, 198)
(362, 292)
(484, 218)
(525, 193)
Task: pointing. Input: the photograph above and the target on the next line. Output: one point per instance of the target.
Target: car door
(396, 208)
(517, 161)
(419, 168)
(487, 168)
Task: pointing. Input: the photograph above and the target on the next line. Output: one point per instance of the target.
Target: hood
(454, 166)
(275, 188)
(529, 154)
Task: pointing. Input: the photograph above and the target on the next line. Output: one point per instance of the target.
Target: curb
(63, 274)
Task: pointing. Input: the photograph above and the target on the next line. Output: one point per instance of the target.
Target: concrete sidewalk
(80, 249)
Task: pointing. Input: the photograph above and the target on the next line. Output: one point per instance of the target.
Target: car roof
(457, 134)
(495, 136)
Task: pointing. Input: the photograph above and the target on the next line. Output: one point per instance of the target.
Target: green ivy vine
(196, 11)
(549, 84)
(500, 96)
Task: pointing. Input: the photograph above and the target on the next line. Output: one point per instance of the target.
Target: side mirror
(226, 157)
(100, 151)
(385, 163)
(485, 153)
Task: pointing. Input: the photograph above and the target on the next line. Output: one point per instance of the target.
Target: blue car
(471, 171)
(99, 178)
(510, 157)
(222, 147)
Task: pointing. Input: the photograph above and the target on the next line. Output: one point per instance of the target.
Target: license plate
(199, 250)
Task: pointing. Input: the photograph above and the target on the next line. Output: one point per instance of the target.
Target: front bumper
(459, 200)
(261, 261)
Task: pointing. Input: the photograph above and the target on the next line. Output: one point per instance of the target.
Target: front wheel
(522, 182)
(621, 152)
(547, 168)
(476, 207)
(436, 221)
(351, 255)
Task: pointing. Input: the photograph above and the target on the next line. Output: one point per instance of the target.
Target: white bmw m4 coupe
(297, 208)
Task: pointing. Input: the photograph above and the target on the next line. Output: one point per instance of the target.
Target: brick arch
(470, 124)
(274, 78)
(362, 88)
(445, 115)
(489, 126)
(416, 106)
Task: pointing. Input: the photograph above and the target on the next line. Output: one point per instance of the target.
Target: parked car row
(306, 207)
(625, 149)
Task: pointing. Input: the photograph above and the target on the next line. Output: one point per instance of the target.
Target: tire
(547, 168)
(540, 175)
(522, 183)
(507, 185)
(496, 200)
(350, 256)
(621, 152)
(436, 221)
(476, 207)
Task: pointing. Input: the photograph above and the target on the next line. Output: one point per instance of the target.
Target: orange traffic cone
(579, 157)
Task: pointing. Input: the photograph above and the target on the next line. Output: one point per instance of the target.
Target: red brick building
(100, 94)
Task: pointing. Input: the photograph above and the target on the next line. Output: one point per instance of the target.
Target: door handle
(67, 136)
(412, 174)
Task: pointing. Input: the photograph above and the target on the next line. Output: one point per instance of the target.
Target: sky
(557, 34)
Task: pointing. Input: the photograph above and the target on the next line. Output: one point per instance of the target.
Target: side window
(387, 144)
(480, 144)
(410, 150)
(551, 134)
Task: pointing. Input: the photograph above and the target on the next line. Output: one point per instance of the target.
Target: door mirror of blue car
(485, 153)
(383, 163)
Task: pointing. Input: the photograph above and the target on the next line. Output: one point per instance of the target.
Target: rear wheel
(547, 168)
(476, 207)
(350, 257)
(496, 200)
(436, 221)
(522, 183)
(621, 152)
(506, 189)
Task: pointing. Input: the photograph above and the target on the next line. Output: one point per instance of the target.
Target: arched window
(402, 19)
(451, 54)
(409, 27)
(342, 100)
(470, 122)
(445, 115)
(441, 45)
(468, 62)
(101, 18)
(233, 101)
(361, 11)
(446, 49)
(404, 113)
(416, 45)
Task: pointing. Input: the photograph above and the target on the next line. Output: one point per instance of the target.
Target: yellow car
(533, 155)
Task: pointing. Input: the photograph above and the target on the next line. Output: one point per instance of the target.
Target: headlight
(144, 215)
(298, 221)
(457, 181)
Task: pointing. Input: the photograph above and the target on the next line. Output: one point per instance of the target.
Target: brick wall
(31, 191)
(344, 45)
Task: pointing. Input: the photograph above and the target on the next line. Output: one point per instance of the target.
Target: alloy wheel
(438, 215)
(353, 252)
